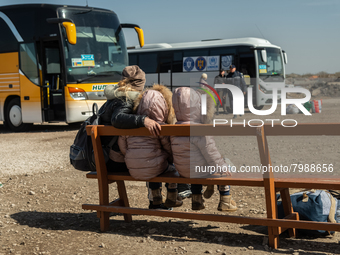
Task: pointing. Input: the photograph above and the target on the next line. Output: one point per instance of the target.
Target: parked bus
(56, 60)
(181, 64)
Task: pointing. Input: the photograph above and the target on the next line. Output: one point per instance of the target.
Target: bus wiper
(99, 74)
(86, 78)
(85, 11)
(109, 73)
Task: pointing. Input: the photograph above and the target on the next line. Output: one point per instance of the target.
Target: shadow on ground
(171, 230)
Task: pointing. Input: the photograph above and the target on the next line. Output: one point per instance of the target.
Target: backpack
(314, 205)
(81, 151)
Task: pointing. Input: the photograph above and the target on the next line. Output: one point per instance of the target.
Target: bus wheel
(13, 117)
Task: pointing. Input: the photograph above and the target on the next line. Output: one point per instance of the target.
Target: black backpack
(81, 151)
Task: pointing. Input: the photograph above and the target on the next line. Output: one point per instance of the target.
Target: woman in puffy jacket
(148, 156)
(201, 151)
(118, 111)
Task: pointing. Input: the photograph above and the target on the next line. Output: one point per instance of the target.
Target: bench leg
(273, 238)
(124, 199)
(273, 232)
(269, 187)
(288, 208)
(104, 221)
(103, 182)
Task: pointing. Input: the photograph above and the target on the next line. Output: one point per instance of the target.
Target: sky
(308, 30)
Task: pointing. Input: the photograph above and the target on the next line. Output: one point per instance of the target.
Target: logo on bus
(213, 61)
(188, 64)
(200, 63)
(98, 87)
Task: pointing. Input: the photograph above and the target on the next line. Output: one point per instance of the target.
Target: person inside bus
(238, 81)
(190, 152)
(221, 79)
(99, 59)
(149, 156)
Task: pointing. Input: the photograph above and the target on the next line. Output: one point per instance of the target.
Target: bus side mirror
(71, 32)
(285, 57)
(140, 36)
(264, 56)
(138, 30)
(70, 28)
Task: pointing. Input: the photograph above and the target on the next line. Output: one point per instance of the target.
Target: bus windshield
(100, 52)
(273, 67)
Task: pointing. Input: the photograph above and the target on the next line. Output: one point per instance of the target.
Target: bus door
(30, 85)
(53, 99)
(165, 67)
(247, 67)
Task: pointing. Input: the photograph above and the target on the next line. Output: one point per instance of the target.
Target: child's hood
(187, 105)
(156, 103)
(153, 105)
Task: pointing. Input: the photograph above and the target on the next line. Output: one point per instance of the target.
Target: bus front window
(100, 52)
(273, 69)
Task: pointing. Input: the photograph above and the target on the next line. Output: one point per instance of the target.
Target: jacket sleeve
(122, 116)
(166, 144)
(122, 143)
(207, 146)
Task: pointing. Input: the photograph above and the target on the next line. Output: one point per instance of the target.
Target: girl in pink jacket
(149, 156)
(200, 151)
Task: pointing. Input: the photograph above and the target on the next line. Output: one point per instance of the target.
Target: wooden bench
(271, 185)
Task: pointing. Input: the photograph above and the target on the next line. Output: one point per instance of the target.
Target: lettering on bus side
(98, 87)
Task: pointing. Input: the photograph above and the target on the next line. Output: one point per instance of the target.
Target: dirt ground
(41, 197)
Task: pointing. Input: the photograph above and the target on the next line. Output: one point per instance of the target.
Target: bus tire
(13, 117)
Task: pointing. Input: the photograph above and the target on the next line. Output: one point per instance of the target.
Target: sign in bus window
(201, 63)
(227, 61)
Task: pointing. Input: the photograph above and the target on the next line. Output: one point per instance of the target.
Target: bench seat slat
(256, 182)
(308, 183)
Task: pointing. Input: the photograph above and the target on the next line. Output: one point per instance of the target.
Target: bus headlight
(263, 89)
(77, 93)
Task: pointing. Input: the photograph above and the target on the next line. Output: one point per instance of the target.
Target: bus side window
(28, 62)
(148, 62)
(132, 59)
(52, 61)
(177, 63)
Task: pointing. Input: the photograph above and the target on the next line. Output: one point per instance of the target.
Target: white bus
(181, 64)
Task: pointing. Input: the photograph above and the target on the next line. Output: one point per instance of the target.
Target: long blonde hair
(125, 86)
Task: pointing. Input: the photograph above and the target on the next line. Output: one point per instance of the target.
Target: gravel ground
(41, 197)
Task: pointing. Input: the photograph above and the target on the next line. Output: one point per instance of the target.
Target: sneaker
(159, 207)
(183, 190)
(235, 116)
